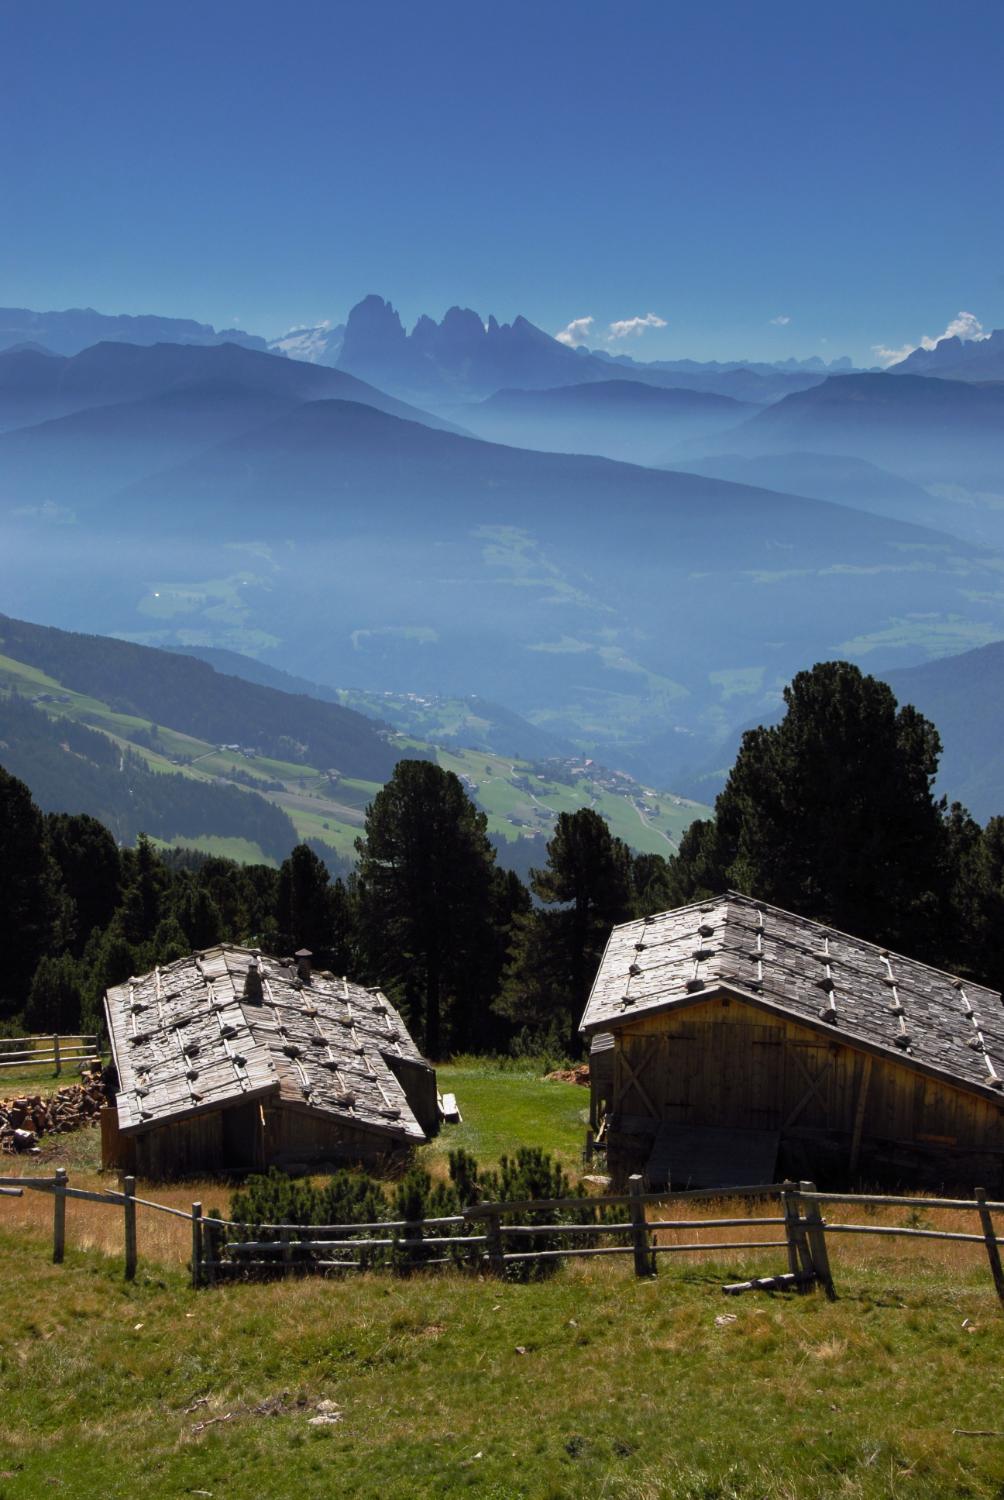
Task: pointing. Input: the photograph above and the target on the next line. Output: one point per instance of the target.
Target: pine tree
(425, 900)
(304, 909)
(29, 892)
(831, 813)
(585, 887)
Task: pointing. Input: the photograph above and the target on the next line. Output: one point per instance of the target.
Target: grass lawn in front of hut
(506, 1105)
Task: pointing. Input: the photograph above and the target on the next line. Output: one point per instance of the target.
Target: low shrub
(351, 1198)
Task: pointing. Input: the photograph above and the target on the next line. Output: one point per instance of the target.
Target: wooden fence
(45, 1051)
(486, 1237)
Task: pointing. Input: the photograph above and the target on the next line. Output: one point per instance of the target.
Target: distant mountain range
(78, 327)
(631, 612)
(947, 434)
(464, 357)
(37, 387)
(958, 359)
(622, 419)
(814, 365)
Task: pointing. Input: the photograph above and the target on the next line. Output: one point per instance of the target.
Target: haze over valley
(632, 565)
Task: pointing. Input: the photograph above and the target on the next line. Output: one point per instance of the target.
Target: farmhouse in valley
(732, 1042)
(229, 1059)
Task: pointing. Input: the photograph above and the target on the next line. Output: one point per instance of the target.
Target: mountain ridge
(75, 328)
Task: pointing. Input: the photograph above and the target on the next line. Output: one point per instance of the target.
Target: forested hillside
(192, 698)
(829, 814)
(75, 769)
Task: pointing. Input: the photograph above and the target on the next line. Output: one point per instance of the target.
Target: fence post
(287, 1251)
(129, 1207)
(790, 1213)
(59, 1216)
(816, 1233)
(496, 1252)
(644, 1260)
(196, 1245)
(55, 1055)
(989, 1234)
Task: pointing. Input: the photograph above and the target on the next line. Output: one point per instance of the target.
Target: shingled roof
(826, 979)
(193, 1036)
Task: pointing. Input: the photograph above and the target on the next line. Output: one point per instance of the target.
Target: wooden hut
(231, 1060)
(749, 1043)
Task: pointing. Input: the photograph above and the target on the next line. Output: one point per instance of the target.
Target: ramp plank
(696, 1156)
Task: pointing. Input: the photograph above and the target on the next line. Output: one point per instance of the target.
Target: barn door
(637, 1077)
(808, 1084)
(677, 1075)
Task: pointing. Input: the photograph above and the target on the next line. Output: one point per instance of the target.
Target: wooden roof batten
(228, 1025)
(774, 960)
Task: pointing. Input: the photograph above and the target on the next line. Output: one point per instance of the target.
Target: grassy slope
(592, 1383)
(503, 1109)
(334, 814)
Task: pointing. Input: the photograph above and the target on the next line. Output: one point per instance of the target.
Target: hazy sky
(724, 165)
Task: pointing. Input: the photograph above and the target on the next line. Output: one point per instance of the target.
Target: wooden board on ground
(698, 1156)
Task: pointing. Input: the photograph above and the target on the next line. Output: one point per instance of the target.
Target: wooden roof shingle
(862, 992)
(194, 1036)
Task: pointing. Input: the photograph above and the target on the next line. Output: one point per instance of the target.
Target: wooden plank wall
(731, 1064)
(295, 1136)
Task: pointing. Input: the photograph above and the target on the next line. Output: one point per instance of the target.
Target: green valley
(323, 806)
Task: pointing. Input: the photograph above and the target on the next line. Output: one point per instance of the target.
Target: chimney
(303, 957)
(253, 991)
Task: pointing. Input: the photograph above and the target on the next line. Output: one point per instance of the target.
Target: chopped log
(787, 1281)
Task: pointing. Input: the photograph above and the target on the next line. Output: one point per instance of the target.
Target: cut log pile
(577, 1074)
(24, 1119)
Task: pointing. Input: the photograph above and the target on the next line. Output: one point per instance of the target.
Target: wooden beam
(59, 1216)
(859, 1113)
(993, 1249)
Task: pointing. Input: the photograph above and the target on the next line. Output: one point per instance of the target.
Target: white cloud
(781, 321)
(965, 326)
(575, 333)
(626, 328)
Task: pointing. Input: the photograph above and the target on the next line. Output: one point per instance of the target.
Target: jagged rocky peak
(461, 325)
(376, 321)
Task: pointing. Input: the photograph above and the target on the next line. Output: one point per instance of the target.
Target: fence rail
(222, 1248)
(42, 1051)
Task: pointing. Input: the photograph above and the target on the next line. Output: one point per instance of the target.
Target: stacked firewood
(24, 1119)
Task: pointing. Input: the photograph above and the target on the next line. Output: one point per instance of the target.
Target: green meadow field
(591, 1383)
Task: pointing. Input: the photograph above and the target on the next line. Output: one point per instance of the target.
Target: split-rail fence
(47, 1051)
(486, 1238)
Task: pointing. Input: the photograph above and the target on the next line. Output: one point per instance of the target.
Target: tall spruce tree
(585, 888)
(831, 813)
(426, 899)
(29, 892)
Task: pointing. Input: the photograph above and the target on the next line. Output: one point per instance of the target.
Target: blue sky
(721, 165)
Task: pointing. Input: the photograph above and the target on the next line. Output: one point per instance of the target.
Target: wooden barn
(231, 1060)
(732, 1042)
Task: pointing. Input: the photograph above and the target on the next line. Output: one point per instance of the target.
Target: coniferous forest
(830, 813)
